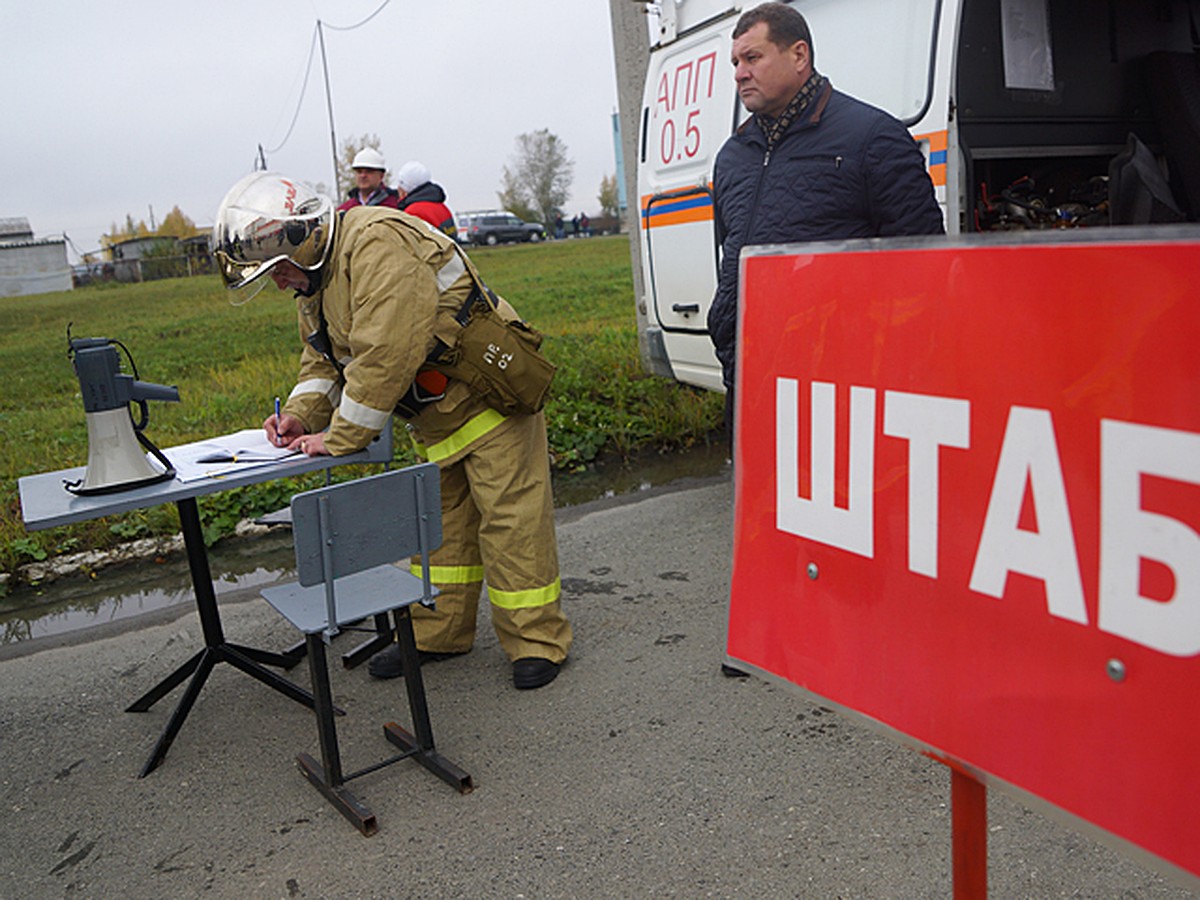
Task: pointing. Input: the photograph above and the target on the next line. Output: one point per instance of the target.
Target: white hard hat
(264, 219)
(412, 175)
(368, 158)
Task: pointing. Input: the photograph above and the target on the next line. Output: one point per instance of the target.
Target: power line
(363, 22)
(312, 46)
(318, 37)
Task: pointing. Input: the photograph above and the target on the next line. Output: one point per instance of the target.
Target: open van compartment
(1047, 95)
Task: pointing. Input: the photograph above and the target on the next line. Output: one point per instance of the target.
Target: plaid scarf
(774, 128)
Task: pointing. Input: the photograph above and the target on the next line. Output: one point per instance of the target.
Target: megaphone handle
(140, 423)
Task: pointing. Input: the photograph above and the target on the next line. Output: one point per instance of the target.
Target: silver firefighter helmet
(267, 218)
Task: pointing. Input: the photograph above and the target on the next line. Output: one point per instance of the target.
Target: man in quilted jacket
(810, 164)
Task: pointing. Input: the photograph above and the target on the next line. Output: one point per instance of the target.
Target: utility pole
(631, 52)
(337, 189)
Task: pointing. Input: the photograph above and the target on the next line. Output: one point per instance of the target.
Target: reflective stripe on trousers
(446, 575)
(498, 525)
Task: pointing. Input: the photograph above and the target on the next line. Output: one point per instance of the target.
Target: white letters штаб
(1029, 455)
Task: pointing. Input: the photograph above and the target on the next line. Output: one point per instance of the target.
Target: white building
(29, 266)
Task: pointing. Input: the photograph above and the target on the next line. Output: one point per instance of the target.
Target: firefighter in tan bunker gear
(375, 290)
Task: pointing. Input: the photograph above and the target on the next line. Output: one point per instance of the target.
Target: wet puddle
(131, 589)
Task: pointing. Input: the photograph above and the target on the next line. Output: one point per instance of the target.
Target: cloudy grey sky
(110, 109)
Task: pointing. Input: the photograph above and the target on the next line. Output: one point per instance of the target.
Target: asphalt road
(641, 771)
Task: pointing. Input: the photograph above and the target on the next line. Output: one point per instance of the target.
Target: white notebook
(214, 457)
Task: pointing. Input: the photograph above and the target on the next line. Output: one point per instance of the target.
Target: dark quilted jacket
(847, 170)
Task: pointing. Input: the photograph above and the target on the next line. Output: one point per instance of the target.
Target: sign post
(968, 828)
(967, 486)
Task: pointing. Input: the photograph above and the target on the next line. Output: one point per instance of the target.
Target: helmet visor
(246, 290)
(239, 275)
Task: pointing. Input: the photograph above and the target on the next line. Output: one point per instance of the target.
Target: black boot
(533, 672)
(386, 663)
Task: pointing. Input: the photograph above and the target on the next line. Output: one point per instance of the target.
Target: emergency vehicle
(1021, 107)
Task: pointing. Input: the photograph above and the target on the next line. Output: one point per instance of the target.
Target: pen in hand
(277, 435)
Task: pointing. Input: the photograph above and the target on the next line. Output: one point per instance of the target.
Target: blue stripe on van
(696, 201)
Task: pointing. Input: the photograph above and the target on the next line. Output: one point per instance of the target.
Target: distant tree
(540, 177)
(346, 153)
(609, 197)
(513, 198)
(117, 234)
(177, 224)
(163, 258)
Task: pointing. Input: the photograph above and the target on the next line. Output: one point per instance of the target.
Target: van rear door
(687, 114)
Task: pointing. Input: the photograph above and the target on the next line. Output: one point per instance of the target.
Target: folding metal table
(46, 503)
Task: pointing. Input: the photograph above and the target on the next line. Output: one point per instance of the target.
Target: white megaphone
(116, 446)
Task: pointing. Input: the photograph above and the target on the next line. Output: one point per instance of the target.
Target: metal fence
(132, 271)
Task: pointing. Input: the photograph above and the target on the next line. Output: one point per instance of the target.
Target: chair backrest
(356, 525)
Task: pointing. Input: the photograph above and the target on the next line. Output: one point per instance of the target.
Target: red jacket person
(421, 197)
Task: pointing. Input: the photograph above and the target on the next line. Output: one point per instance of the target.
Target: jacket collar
(380, 194)
(429, 192)
(814, 110)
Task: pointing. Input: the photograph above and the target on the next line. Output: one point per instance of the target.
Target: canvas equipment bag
(497, 359)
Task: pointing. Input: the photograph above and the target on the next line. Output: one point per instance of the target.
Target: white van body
(994, 91)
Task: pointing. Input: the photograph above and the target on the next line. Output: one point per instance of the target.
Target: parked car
(492, 228)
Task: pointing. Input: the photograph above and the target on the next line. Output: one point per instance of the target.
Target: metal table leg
(216, 648)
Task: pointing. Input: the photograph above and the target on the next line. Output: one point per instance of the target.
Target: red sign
(968, 504)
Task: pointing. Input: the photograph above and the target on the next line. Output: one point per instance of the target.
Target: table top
(46, 503)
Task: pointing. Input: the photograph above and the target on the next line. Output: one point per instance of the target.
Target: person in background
(375, 289)
(369, 189)
(421, 197)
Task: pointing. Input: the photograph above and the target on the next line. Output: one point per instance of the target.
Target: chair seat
(360, 595)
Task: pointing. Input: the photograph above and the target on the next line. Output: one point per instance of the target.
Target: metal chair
(348, 537)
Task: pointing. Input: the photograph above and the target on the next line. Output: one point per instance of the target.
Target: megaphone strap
(76, 487)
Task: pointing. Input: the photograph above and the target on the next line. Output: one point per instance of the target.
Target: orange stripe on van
(938, 142)
(659, 211)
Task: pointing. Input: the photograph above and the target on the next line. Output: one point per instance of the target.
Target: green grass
(228, 362)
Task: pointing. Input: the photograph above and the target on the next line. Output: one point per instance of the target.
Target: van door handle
(685, 308)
